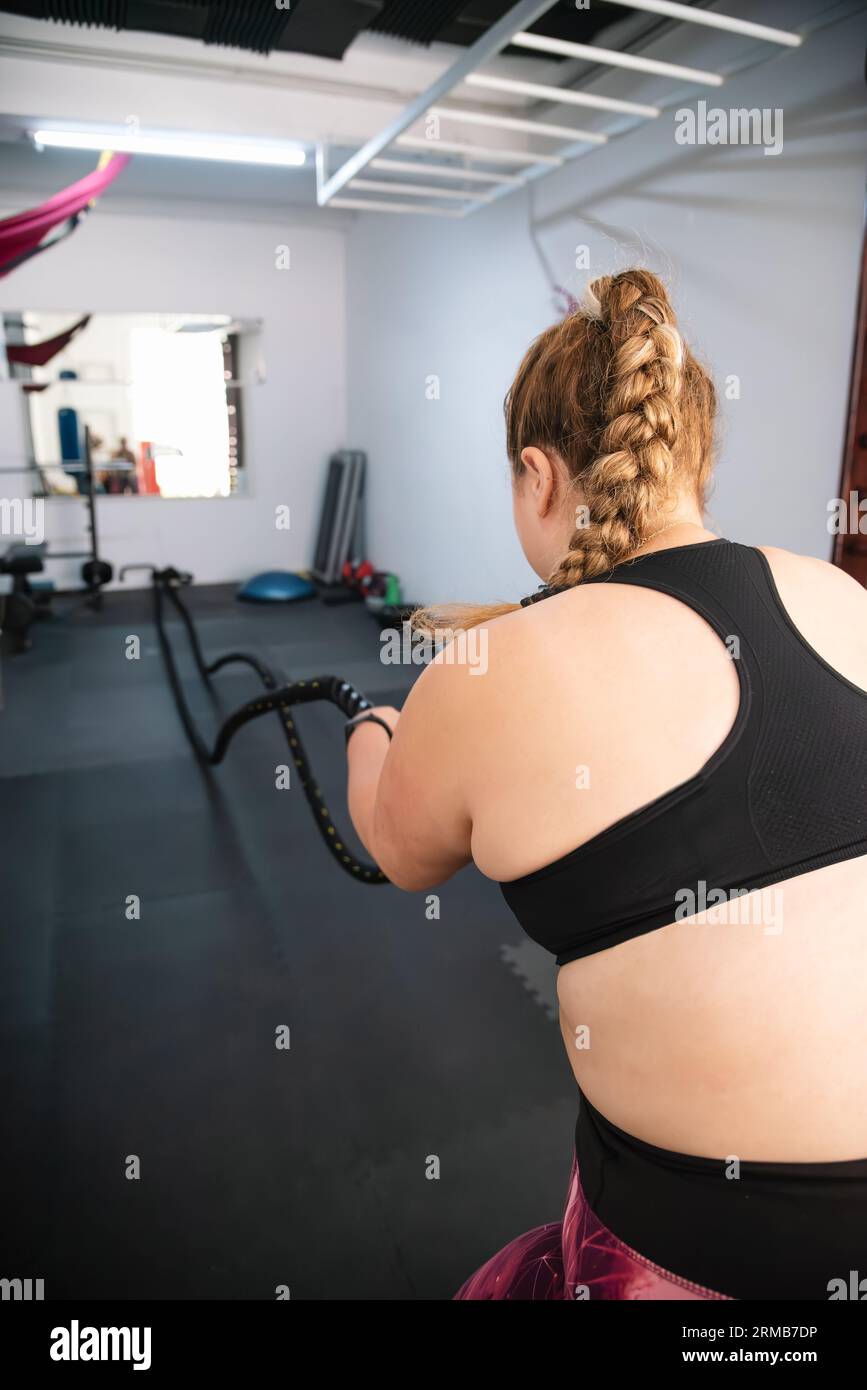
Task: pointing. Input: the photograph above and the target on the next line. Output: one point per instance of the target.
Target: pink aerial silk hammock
(40, 354)
(21, 236)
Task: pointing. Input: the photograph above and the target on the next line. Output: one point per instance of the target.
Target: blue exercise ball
(276, 586)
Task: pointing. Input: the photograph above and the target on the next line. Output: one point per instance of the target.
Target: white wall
(199, 264)
(761, 254)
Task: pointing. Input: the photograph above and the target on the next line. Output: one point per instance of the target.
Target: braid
(617, 398)
(632, 470)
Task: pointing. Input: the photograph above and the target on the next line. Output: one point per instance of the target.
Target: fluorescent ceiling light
(612, 58)
(417, 190)
(217, 147)
(440, 171)
(485, 154)
(455, 113)
(714, 20)
(561, 94)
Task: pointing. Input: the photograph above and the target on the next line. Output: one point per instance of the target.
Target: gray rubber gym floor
(410, 1037)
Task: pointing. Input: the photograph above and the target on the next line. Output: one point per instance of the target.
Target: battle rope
(276, 699)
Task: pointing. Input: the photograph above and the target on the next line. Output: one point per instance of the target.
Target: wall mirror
(161, 396)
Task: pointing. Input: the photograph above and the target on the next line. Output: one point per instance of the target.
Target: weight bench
(20, 604)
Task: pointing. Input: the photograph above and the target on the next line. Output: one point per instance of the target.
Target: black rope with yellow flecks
(275, 699)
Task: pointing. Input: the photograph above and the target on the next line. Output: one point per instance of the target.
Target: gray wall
(762, 256)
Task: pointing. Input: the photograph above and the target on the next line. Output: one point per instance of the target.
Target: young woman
(664, 765)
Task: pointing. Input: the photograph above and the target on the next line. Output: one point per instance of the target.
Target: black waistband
(749, 1230)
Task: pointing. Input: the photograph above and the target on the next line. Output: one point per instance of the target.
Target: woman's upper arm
(422, 823)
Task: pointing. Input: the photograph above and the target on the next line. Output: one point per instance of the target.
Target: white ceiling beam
(561, 94)
(610, 57)
(514, 26)
(519, 17)
(441, 171)
(418, 190)
(487, 154)
(377, 205)
(712, 20)
(558, 132)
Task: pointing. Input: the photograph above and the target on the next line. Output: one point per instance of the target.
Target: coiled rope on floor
(276, 698)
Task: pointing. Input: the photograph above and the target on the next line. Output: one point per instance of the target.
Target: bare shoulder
(477, 670)
(816, 578)
(452, 668)
(827, 606)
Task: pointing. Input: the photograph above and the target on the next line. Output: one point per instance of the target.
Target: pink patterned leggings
(576, 1258)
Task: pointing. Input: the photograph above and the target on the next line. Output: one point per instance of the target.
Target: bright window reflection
(178, 401)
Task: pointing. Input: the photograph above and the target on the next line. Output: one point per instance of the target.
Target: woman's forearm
(366, 754)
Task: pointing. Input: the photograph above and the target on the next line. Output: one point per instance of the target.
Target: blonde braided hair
(614, 392)
(634, 469)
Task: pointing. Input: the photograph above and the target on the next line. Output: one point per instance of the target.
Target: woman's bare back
(745, 1034)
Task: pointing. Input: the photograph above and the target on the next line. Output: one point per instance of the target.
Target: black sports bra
(785, 793)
